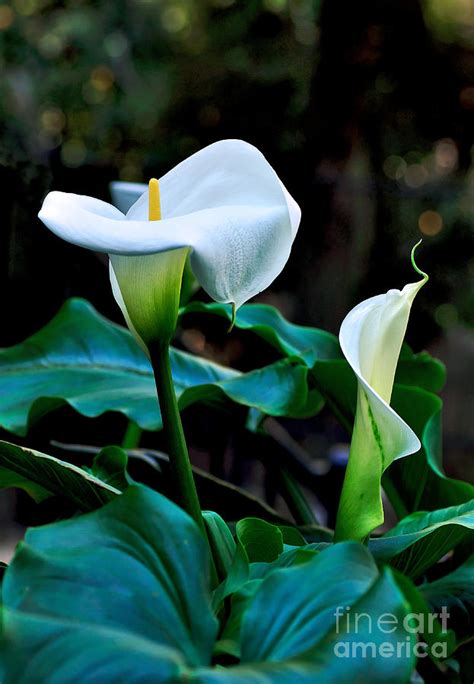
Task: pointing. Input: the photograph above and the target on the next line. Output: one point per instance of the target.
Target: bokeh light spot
(50, 45)
(102, 78)
(92, 95)
(416, 175)
(73, 153)
(52, 120)
(174, 19)
(394, 167)
(6, 17)
(26, 7)
(446, 155)
(275, 5)
(430, 222)
(116, 44)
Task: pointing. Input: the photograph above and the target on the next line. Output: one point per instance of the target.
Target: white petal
(227, 173)
(225, 202)
(371, 337)
(124, 194)
(293, 210)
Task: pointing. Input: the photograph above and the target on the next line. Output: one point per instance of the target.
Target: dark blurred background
(365, 109)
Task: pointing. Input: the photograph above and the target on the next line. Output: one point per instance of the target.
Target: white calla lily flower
(224, 205)
(371, 337)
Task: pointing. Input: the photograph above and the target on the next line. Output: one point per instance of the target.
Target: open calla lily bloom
(225, 206)
(371, 338)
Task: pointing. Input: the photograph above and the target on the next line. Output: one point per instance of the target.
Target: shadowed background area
(364, 109)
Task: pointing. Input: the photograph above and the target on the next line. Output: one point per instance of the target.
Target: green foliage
(260, 540)
(308, 344)
(134, 575)
(419, 482)
(42, 476)
(110, 466)
(412, 483)
(82, 359)
(126, 590)
(221, 541)
(455, 592)
(419, 540)
(431, 629)
(301, 611)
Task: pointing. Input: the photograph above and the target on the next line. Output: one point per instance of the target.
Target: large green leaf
(110, 465)
(123, 594)
(267, 322)
(134, 578)
(455, 593)
(82, 359)
(221, 542)
(422, 538)
(42, 475)
(290, 633)
(435, 633)
(262, 541)
(420, 370)
(229, 641)
(418, 482)
(280, 389)
(61, 652)
(285, 628)
(276, 629)
(38, 648)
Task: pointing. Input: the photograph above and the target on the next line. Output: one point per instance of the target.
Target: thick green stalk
(132, 436)
(180, 465)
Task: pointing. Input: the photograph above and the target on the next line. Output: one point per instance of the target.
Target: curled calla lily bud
(225, 205)
(371, 338)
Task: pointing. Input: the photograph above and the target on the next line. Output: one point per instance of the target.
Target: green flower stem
(180, 465)
(132, 436)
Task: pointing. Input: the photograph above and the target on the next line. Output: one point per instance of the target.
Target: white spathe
(225, 203)
(124, 194)
(371, 337)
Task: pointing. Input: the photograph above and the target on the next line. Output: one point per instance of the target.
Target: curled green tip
(232, 322)
(413, 262)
